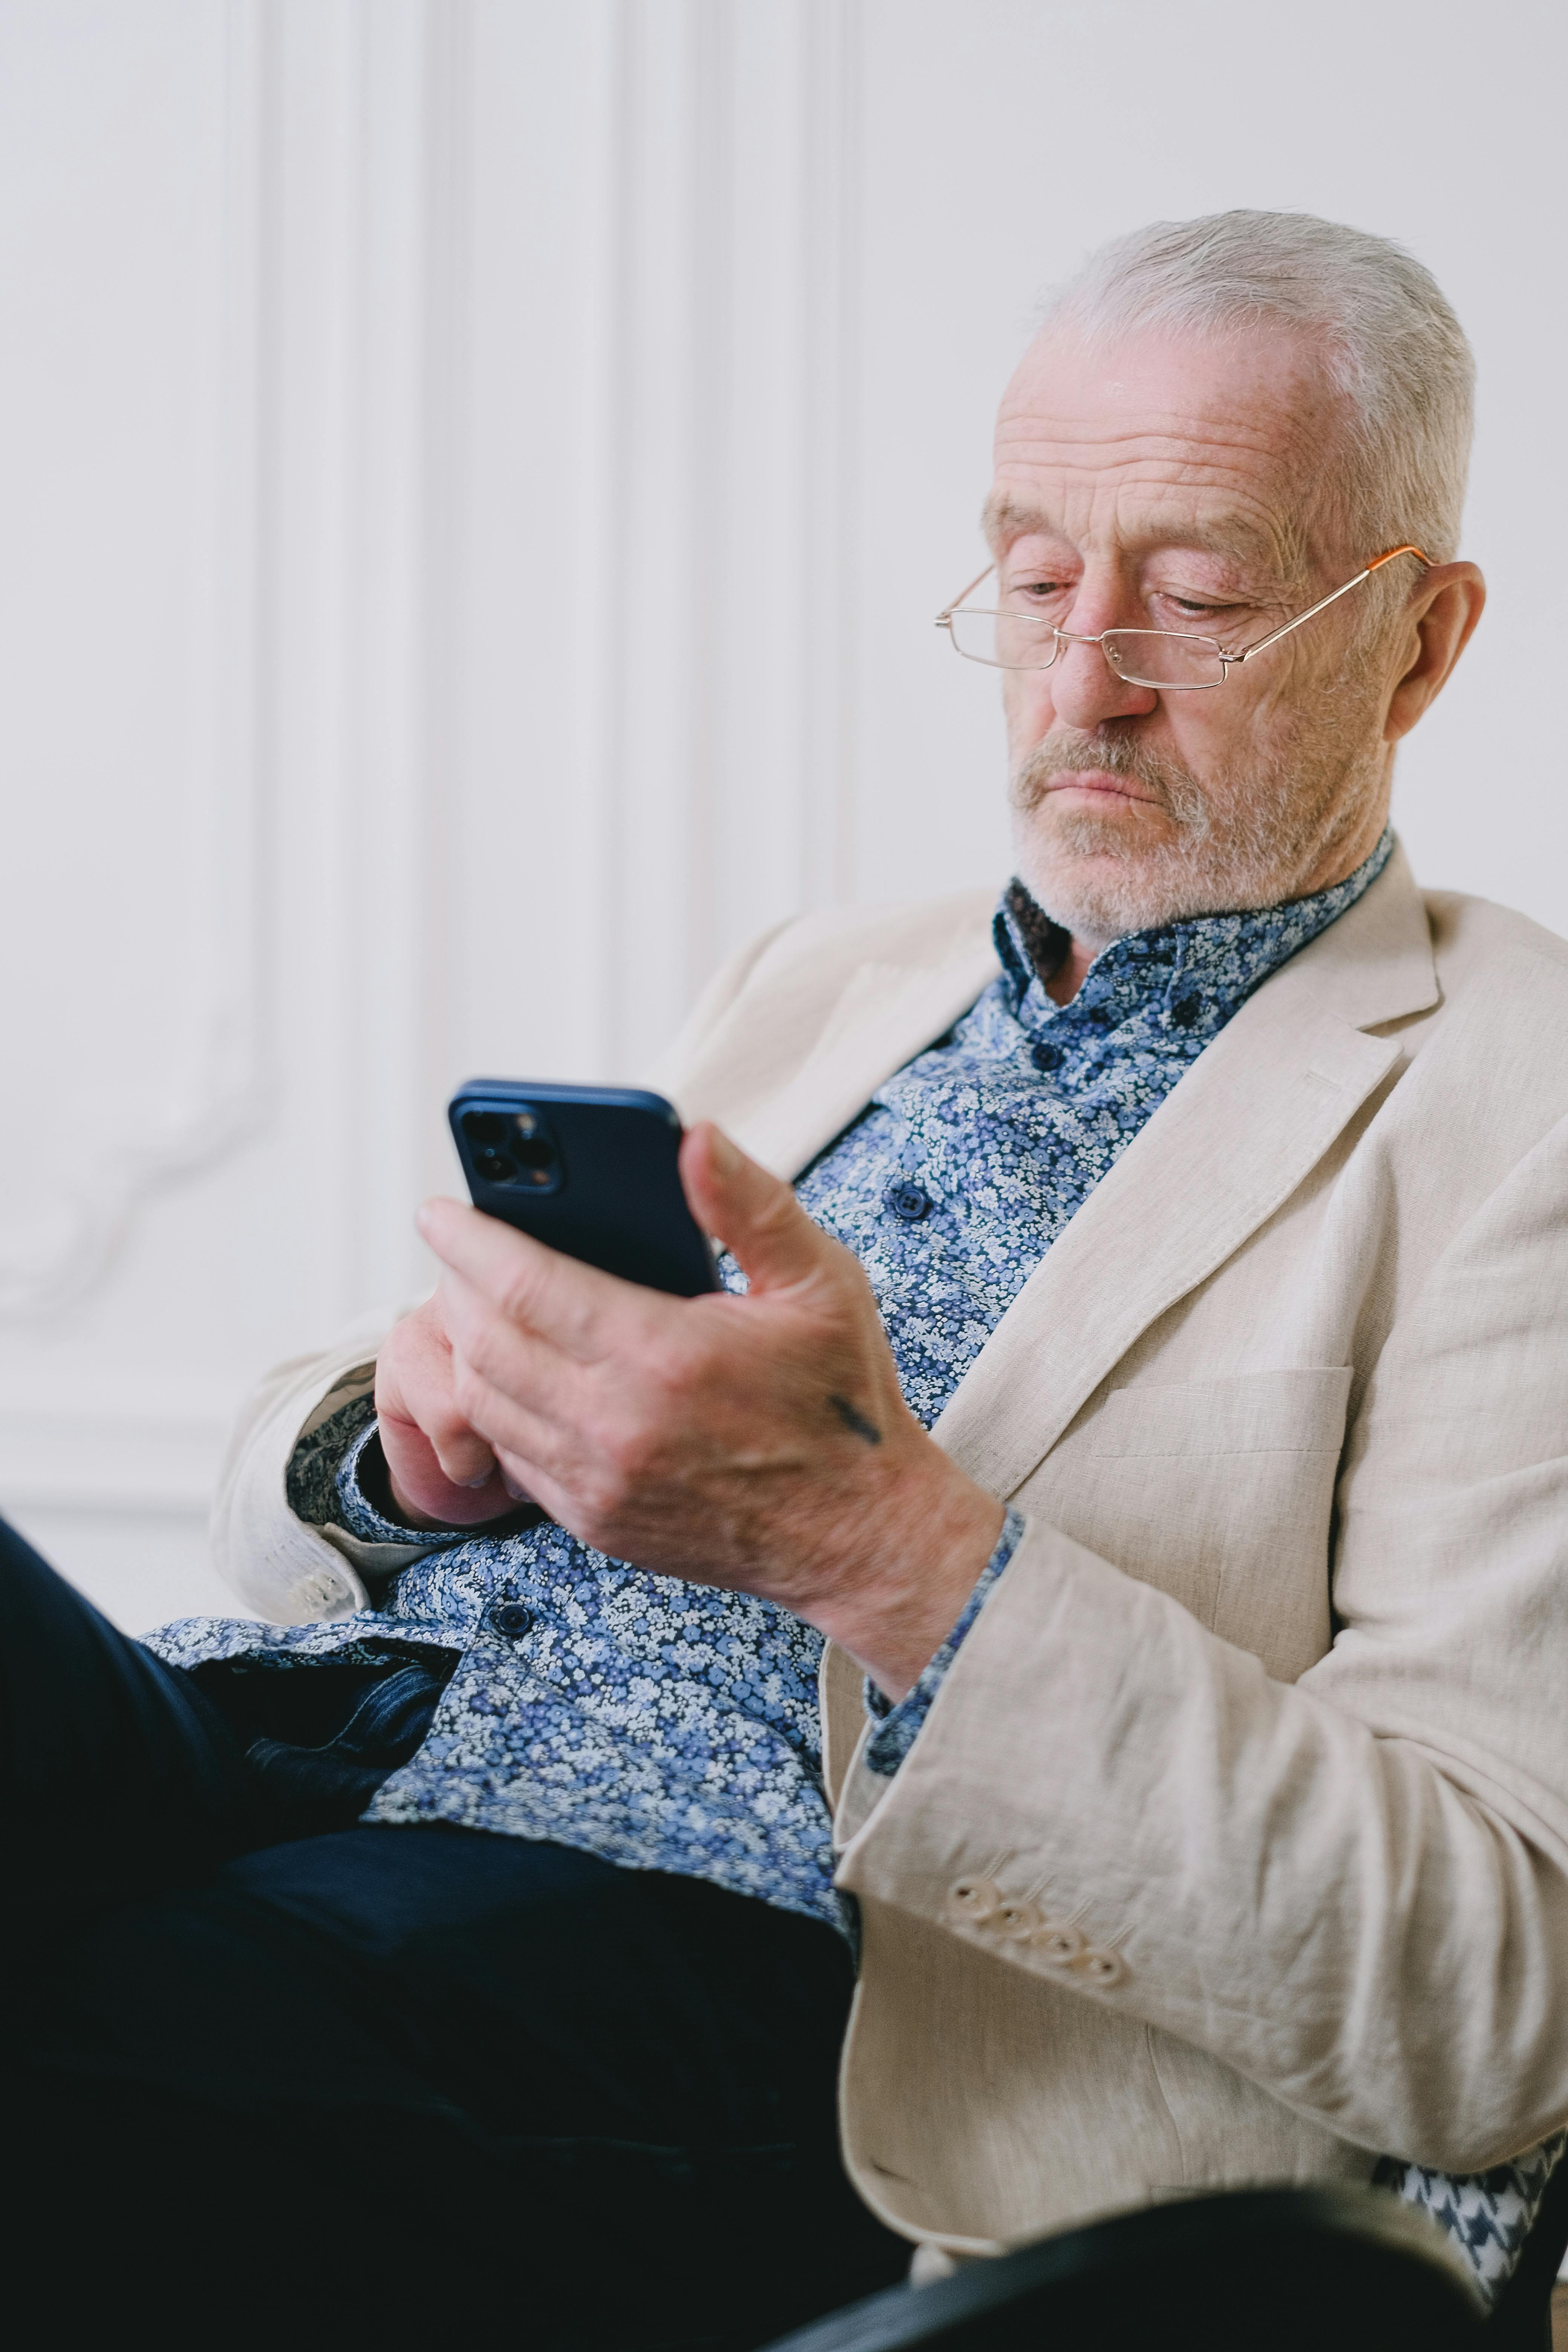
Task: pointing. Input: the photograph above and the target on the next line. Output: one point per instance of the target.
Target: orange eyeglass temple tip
(1393, 551)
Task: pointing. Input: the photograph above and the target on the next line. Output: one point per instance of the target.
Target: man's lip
(1094, 780)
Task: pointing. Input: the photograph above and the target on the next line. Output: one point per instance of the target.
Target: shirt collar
(1195, 973)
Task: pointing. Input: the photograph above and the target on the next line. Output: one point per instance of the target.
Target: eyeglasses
(1166, 659)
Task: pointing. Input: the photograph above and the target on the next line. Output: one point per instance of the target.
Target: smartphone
(589, 1170)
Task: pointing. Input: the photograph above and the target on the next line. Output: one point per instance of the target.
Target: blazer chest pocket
(1220, 1493)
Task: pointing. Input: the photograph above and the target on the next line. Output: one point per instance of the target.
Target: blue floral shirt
(668, 1725)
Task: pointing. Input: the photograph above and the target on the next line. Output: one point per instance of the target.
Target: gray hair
(1387, 338)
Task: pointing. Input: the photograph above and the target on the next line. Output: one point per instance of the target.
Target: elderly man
(1137, 1400)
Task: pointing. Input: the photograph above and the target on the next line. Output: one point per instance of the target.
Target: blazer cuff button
(1057, 1943)
(974, 1899)
(1018, 1921)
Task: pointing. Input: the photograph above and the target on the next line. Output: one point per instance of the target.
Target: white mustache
(1171, 787)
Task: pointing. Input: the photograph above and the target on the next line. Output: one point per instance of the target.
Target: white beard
(1256, 841)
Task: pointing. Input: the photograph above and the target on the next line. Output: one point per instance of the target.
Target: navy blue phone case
(589, 1170)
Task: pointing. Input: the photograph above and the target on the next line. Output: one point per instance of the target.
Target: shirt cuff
(310, 1480)
(365, 1501)
(365, 1508)
(899, 1726)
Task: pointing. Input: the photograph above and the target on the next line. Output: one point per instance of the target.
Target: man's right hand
(442, 1474)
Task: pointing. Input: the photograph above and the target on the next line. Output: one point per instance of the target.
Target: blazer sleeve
(288, 1571)
(1352, 1889)
(669, 1071)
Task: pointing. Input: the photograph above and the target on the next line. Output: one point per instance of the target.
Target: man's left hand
(759, 1442)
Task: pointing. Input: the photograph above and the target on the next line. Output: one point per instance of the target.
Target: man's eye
(1037, 592)
(1192, 609)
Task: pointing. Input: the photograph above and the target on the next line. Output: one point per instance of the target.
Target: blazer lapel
(1225, 1149)
(885, 1016)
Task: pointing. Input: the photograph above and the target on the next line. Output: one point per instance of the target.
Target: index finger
(557, 1297)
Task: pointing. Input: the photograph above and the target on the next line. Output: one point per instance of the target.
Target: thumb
(755, 1215)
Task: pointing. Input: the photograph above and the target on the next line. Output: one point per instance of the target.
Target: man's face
(1175, 483)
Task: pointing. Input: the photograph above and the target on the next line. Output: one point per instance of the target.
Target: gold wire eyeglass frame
(1109, 639)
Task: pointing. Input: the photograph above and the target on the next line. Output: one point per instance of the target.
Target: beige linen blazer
(1272, 1702)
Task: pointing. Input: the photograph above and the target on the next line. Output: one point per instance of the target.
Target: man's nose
(1086, 691)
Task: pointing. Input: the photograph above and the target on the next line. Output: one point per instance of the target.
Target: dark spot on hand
(856, 1422)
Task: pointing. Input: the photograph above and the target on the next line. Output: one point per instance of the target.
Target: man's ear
(1445, 610)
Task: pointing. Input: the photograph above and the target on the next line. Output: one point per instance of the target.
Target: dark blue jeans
(274, 2079)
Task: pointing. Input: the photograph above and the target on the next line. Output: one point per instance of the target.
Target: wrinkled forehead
(1217, 443)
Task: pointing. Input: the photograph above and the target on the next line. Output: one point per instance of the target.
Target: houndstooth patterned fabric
(1489, 2215)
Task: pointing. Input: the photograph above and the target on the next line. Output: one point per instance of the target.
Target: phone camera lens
(510, 1149)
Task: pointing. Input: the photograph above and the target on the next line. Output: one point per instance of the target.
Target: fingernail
(518, 1493)
(482, 1480)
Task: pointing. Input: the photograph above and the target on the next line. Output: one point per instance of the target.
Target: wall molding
(61, 1254)
(704, 404)
(729, 406)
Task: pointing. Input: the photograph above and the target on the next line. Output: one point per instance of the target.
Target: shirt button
(909, 1202)
(1187, 1012)
(1046, 1057)
(1101, 1969)
(512, 1618)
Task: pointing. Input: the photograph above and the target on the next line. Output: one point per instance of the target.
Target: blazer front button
(974, 1899)
(1102, 1969)
(1058, 1942)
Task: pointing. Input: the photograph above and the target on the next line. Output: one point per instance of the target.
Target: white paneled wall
(478, 475)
